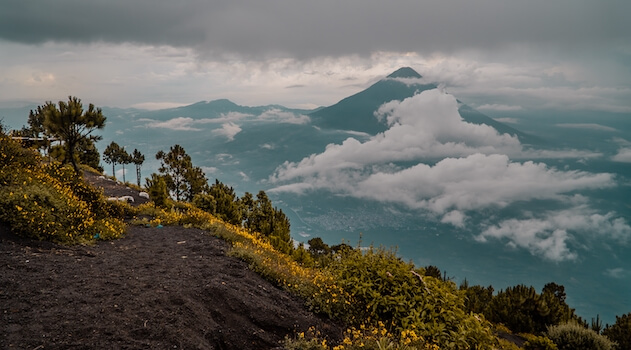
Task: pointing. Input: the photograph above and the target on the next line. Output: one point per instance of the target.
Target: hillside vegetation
(385, 302)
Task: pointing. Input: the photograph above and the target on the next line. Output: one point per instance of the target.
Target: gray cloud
(320, 28)
(502, 56)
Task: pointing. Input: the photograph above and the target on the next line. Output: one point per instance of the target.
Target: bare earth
(157, 288)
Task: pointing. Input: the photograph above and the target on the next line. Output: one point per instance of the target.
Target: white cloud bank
(473, 172)
(623, 155)
(231, 122)
(549, 235)
(624, 151)
(229, 130)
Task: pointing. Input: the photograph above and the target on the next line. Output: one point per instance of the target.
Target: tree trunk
(69, 156)
(138, 174)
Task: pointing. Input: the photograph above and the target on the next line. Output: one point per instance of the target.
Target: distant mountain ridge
(356, 112)
(353, 113)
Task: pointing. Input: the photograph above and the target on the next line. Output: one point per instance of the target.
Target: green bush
(523, 310)
(620, 332)
(379, 287)
(539, 343)
(158, 192)
(40, 201)
(572, 336)
(478, 298)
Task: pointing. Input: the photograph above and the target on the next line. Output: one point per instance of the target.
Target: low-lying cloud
(499, 107)
(550, 235)
(229, 130)
(433, 161)
(229, 123)
(587, 126)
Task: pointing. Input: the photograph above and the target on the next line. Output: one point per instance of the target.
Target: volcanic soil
(156, 288)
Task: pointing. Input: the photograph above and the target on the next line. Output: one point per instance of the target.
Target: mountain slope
(356, 112)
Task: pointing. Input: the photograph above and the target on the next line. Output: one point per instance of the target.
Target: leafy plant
(376, 286)
(182, 178)
(70, 123)
(620, 332)
(158, 192)
(49, 202)
(539, 343)
(523, 310)
(570, 336)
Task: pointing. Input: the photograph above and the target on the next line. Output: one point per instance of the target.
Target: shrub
(571, 336)
(158, 192)
(504, 344)
(376, 286)
(523, 310)
(620, 332)
(539, 343)
(43, 202)
(478, 298)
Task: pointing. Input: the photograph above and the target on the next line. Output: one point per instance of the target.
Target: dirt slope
(157, 288)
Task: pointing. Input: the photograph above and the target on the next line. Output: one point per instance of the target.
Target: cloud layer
(354, 27)
(502, 57)
(433, 161)
(550, 234)
(227, 124)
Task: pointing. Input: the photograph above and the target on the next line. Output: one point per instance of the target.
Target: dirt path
(167, 288)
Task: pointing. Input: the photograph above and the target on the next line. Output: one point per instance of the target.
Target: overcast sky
(493, 54)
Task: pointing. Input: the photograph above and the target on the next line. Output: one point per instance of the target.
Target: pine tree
(69, 123)
(137, 158)
(182, 178)
(110, 155)
(123, 158)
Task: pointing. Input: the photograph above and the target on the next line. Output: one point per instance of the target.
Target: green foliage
(49, 202)
(137, 158)
(597, 324)
(87, 154)
(504, 344)
(539, 343)
(182, 178)
(432, 271)
(302, 256)
(14, 157)
(379, 287)
(321, 252)
(115, 154)
(620, 332)
(571, 336)
(69, 123)
(158, 192)
(110, 155)
(477, 298)
(260, 216)
(221, 201)
(366, 338)
(523, 310)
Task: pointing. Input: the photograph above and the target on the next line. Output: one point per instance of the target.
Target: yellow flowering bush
(374, 287)
(39, 201)
(362, 338)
